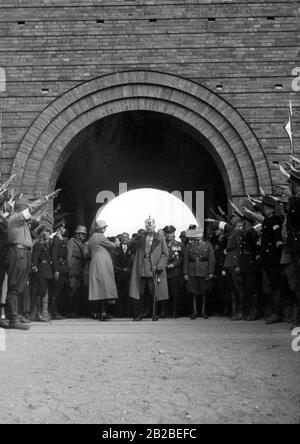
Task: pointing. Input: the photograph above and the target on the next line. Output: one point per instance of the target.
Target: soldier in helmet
(174, 271)
(76, 256)
(149, 270)
(198, 268)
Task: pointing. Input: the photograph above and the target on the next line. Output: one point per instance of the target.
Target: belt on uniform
(62, 260)
(45, 262)
(20, 247)
(147, 256)
(198, 259)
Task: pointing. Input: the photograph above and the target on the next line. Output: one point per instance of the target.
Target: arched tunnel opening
(143, 149)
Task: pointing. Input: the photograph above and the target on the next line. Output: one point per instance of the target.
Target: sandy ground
(171, 371)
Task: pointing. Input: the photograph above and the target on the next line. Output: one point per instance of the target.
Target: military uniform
(248, 272)
(293, 247)
(221, 284)
(59, 254)
(43, 273)
(175, 274)
(19, 261)
(198, 266)
(231, 265)
(76, 264)
(270, 252)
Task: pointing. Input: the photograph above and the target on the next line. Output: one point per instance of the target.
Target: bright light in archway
(128, 211)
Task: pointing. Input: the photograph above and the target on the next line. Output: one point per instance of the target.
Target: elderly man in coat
(149, 270)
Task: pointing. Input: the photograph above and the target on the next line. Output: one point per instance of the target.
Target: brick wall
(239, 49)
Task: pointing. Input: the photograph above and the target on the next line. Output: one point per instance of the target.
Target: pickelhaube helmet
(150, 222)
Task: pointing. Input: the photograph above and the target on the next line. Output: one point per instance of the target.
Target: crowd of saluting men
(245, 265)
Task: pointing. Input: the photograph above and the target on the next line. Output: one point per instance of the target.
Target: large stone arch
(231, 142)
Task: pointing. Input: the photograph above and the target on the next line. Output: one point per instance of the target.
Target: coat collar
(155, 243)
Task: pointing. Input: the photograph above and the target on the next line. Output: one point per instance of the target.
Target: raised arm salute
(19, 254)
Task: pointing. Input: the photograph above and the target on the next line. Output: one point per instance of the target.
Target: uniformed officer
(59, 253)
(293, 236)
(231, 267)
(43, 273)
(198, 268)
(19, 254)
(174, 272)
(221, 290)
(271, 248)
(248, 269)
(76, 256)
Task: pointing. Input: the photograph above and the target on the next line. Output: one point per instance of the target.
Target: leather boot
(274, 319)
(56, 315)
(24, 320)
(203, 311)
(4, 323)
(12, 313)
(233, 309)
(237, 317)
(17, 325)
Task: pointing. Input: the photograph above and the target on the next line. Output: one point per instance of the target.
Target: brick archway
(234, 147)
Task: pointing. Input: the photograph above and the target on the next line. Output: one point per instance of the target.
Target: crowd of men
(245, 265)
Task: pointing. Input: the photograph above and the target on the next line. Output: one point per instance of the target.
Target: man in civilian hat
(75, 247)
(270, 252)
(59, 253)
(149, 270)
(174, 271)
(19, 254)
(43, 273)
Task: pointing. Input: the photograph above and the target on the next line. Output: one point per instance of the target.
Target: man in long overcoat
(149, 270)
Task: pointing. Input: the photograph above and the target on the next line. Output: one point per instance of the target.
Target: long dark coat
(159, 258)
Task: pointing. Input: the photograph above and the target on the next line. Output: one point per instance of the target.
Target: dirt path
(171, 371)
